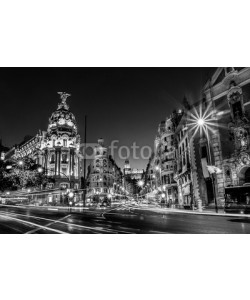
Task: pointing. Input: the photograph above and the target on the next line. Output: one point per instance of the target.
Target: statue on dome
(63, 96)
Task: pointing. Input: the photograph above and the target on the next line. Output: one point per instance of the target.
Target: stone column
(56, 160)
(59, 161)
(194, 175)
(219, 180)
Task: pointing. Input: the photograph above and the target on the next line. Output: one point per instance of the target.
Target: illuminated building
(131, 178)
(104, 176)
(132, 173)
(57, 150)
(184, 173)
(165, 160)
(224, 139)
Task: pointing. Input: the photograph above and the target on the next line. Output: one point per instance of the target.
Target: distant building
(131, 178)
(104, 178)
(132, 173)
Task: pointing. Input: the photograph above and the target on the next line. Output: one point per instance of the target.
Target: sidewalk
(206, 211)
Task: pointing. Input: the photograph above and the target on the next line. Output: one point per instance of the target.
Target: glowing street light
(140, 183)
(71, 195)
(200, 121)
(204, 122)
(40, 170)
(20, 162)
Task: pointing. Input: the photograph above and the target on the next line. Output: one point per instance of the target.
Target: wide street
(47, 220)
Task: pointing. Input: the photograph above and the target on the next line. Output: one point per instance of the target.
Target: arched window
(52, 160)
(228, 173)
(247, 176)
(64, 158)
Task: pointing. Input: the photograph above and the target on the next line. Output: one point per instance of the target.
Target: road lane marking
(51, 223)
(65, 223)
(32, 224)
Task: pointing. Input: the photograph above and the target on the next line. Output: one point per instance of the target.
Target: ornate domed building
(57, 150)
(61, 147)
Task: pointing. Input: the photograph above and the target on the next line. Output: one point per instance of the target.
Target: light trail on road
(32, 224)
(60, 221)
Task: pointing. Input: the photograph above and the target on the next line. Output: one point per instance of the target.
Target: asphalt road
(122, 220)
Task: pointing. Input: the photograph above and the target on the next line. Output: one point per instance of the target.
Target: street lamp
(20, 162)
(200, 121)
(157, 168)
(40, 170)
(70, 195)
(110, 198)
(202, 124)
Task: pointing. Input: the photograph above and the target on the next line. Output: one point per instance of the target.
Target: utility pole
(84, 164)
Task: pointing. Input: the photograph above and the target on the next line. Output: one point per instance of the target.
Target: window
(237, 109)
(64, 143)
(64, 158)
(52, 160)
(228, 174)
(204, 152)
(52, 171)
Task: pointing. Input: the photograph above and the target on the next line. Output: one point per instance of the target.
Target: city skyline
(124, 104)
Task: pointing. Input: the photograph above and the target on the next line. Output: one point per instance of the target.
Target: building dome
(62, 120)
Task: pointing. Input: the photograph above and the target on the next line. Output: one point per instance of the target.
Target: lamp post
(201, 122)
(141, 183)
(110, 198)
(70, 195)
(157, 168)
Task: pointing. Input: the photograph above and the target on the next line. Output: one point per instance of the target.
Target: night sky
(126, 104)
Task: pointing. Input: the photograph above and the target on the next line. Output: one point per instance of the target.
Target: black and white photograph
(124, 149)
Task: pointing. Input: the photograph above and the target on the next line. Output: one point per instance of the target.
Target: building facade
(211, 146)
(205, 148)
(104, 178)
(131, 178)
(56, 150)
(184, 171)
(160, 179)
(226, 109)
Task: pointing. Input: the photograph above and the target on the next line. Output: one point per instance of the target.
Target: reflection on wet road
(120, 220)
